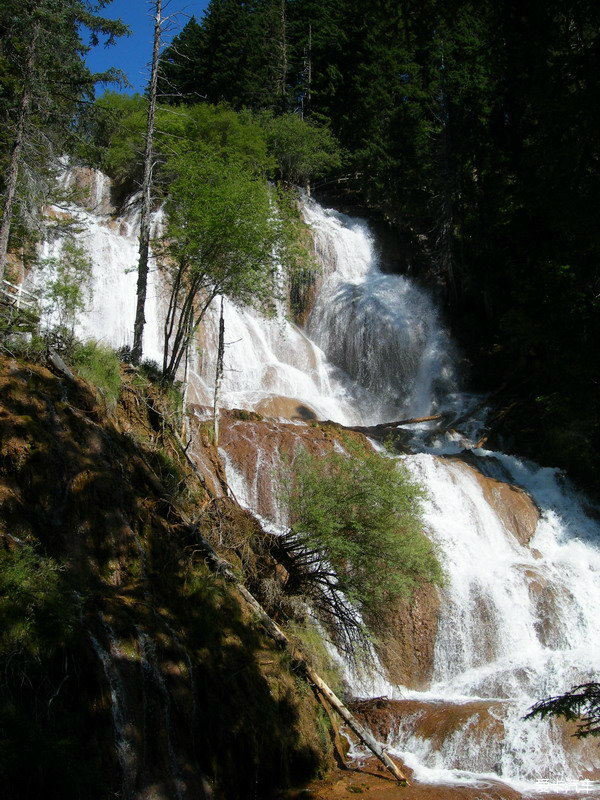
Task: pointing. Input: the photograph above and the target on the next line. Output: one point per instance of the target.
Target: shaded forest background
(470, 132)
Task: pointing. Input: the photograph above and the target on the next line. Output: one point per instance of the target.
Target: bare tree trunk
(15, 158)
(309, 70)
(363, 734)
(142, 283)
(283, 64)
(219, 373)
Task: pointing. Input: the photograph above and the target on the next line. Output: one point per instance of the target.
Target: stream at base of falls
(518, 616)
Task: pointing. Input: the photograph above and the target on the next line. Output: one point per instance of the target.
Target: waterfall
(111, 244)
(518, 620)
(124, 744)
(380, 329)
(374, 349)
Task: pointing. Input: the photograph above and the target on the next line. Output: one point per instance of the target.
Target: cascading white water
(517, 622)
(272, 367)
(496, 642)
(373, 350)
(112, 246)
(381, 329)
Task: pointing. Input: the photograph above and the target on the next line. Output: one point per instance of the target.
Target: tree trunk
(307, 75)
(363, 734)
(15, 158)
(142, 283)
(219, 374)
(283, 56)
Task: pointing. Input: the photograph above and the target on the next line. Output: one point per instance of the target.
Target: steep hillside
(134, 671)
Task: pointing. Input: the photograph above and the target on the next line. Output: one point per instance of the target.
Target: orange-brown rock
(93, 190)
(285, 408)
(406, 637)
(259, 450)
(370, 781)
(516, 509)
(431, 720)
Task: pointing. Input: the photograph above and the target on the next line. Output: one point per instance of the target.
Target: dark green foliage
(124, 623)
(37, 610)
(581, 703)
(238, 54)
(355, 528)
(302, 149)
(51, 36)
(39, 638)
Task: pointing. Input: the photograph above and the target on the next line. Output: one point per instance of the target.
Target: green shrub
(303, 149)
(355, 527)
(36, 608)
(99, 365)
(67, 288)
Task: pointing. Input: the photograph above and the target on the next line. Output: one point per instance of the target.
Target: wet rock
(514, 507)
(92, 190)
(406, 638)
(431, 720)
(285, 408)
(259, 451)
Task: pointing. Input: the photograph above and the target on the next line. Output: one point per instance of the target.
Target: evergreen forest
(470, 131)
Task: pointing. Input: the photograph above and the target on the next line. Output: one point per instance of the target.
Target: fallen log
(413, 421)
(363, 734)
(59, 365)
(224, 568)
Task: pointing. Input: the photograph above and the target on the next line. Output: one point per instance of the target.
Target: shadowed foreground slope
(127, 668)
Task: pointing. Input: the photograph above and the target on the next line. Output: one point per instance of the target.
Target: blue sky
(132, 53)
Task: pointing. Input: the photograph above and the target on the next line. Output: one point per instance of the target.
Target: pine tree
(42, 51)
(237, 54)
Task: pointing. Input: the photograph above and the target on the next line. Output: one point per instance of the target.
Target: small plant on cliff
(37, 610)
(99, 365)
(356, 532)
(66, 290)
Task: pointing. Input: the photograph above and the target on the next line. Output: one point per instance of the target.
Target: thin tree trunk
(363, 734)
(142, 283)
(309, 71)
(15, 158)
(283, 65)
(219, 374)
